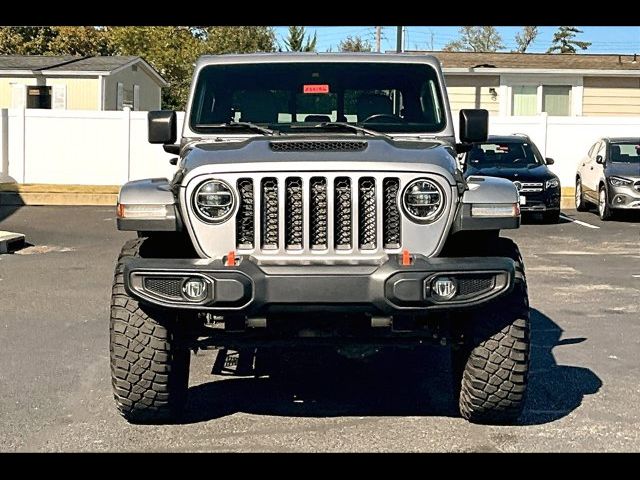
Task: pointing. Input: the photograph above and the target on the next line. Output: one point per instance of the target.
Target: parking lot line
(579, 222)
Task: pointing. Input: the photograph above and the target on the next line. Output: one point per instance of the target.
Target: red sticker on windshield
(316, 88)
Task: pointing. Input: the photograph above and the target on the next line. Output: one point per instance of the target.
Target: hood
(320, 152)
(623, 169)
(540, 173)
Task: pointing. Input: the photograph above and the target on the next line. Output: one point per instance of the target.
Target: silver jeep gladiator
(317, 204)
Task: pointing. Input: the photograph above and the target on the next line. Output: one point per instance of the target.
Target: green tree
(476, 39)
(354, 44)
(219, 40)
(525, 38)
(564, 42)
(295, 42)
(170, 50)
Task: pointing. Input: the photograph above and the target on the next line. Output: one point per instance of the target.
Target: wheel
(491, 367)
(552, 216)
(604, 211)
(581, 205)
(149, 356)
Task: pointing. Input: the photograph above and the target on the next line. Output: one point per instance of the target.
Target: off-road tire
(581, 203)
(149, 357)
(491, 367)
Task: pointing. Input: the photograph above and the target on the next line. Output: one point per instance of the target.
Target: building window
(525, 100)
(556, 100)
(39, 97)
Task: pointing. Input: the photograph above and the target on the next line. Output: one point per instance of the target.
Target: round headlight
(213, 201)
(423, 200)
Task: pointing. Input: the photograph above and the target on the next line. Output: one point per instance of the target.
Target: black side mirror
(474, 125)
(600, 159)
(549, 161)
(162, 126)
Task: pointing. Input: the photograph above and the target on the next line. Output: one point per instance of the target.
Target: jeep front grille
(319, 213)
(270, 220)
(245, 218)
(367, 213)
(391, 214)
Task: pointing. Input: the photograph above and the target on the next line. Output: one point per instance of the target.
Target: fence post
(4, 144)
(544, 120)
(126, 111)
(16, 149)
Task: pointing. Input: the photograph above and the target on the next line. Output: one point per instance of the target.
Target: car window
(386, 97)
(625, 152)
(592, 149)
(503, 154)
(601, 150)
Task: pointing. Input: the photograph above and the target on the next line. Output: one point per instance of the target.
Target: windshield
(288, 97)
(627, 152)
(504, 154)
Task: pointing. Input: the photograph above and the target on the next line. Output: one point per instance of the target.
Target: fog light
(443, 288)
(194, 289)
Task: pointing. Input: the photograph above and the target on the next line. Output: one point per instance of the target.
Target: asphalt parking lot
(55, 392)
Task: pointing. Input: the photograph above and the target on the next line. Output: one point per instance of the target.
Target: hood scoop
(318, 146)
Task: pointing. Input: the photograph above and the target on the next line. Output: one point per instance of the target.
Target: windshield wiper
(239, 126)
(347, 126)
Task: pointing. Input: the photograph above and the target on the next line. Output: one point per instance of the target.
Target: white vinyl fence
(110, 148)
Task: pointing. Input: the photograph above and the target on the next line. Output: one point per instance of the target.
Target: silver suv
(609, 176)
(317, 206)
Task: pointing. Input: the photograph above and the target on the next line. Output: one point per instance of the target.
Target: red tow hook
(406, 259)
(231, 259)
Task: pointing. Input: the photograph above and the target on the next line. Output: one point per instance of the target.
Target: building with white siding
(65, 82)
(522, 84)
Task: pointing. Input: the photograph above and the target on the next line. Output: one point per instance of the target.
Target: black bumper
(250, 289)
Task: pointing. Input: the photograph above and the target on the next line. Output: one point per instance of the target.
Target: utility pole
(378, 38)
(399, 40)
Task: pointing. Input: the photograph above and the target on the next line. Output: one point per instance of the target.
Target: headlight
(213, 201)
(619, 181)
(553, 183)
(423, 200)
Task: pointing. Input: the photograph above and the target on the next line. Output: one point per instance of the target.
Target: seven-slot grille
(358, 206)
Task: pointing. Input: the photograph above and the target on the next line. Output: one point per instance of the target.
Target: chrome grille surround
(332, 231)
(528, 187)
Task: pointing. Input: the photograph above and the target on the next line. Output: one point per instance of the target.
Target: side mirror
(474, 125)
(549, 161)
(600, 159)
(162, 126)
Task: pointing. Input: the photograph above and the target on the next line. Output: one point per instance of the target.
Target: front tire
(491, 367)
(604, 212)
(149, 357)
(581, 204)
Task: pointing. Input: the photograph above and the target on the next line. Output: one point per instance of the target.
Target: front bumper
(250, 289)
(624, 197)
(544, 201)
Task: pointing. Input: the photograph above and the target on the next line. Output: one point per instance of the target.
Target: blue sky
(604, 39)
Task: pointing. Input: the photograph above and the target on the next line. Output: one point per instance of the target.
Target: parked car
(609, 176)
(516, 158)
(280, 233)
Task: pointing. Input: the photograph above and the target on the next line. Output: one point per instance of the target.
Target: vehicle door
(597, 172)
(588, 171)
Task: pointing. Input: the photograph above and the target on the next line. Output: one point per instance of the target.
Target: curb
(10, 241)
(12, 194)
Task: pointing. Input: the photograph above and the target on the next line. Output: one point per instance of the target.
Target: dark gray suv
(609, 176)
